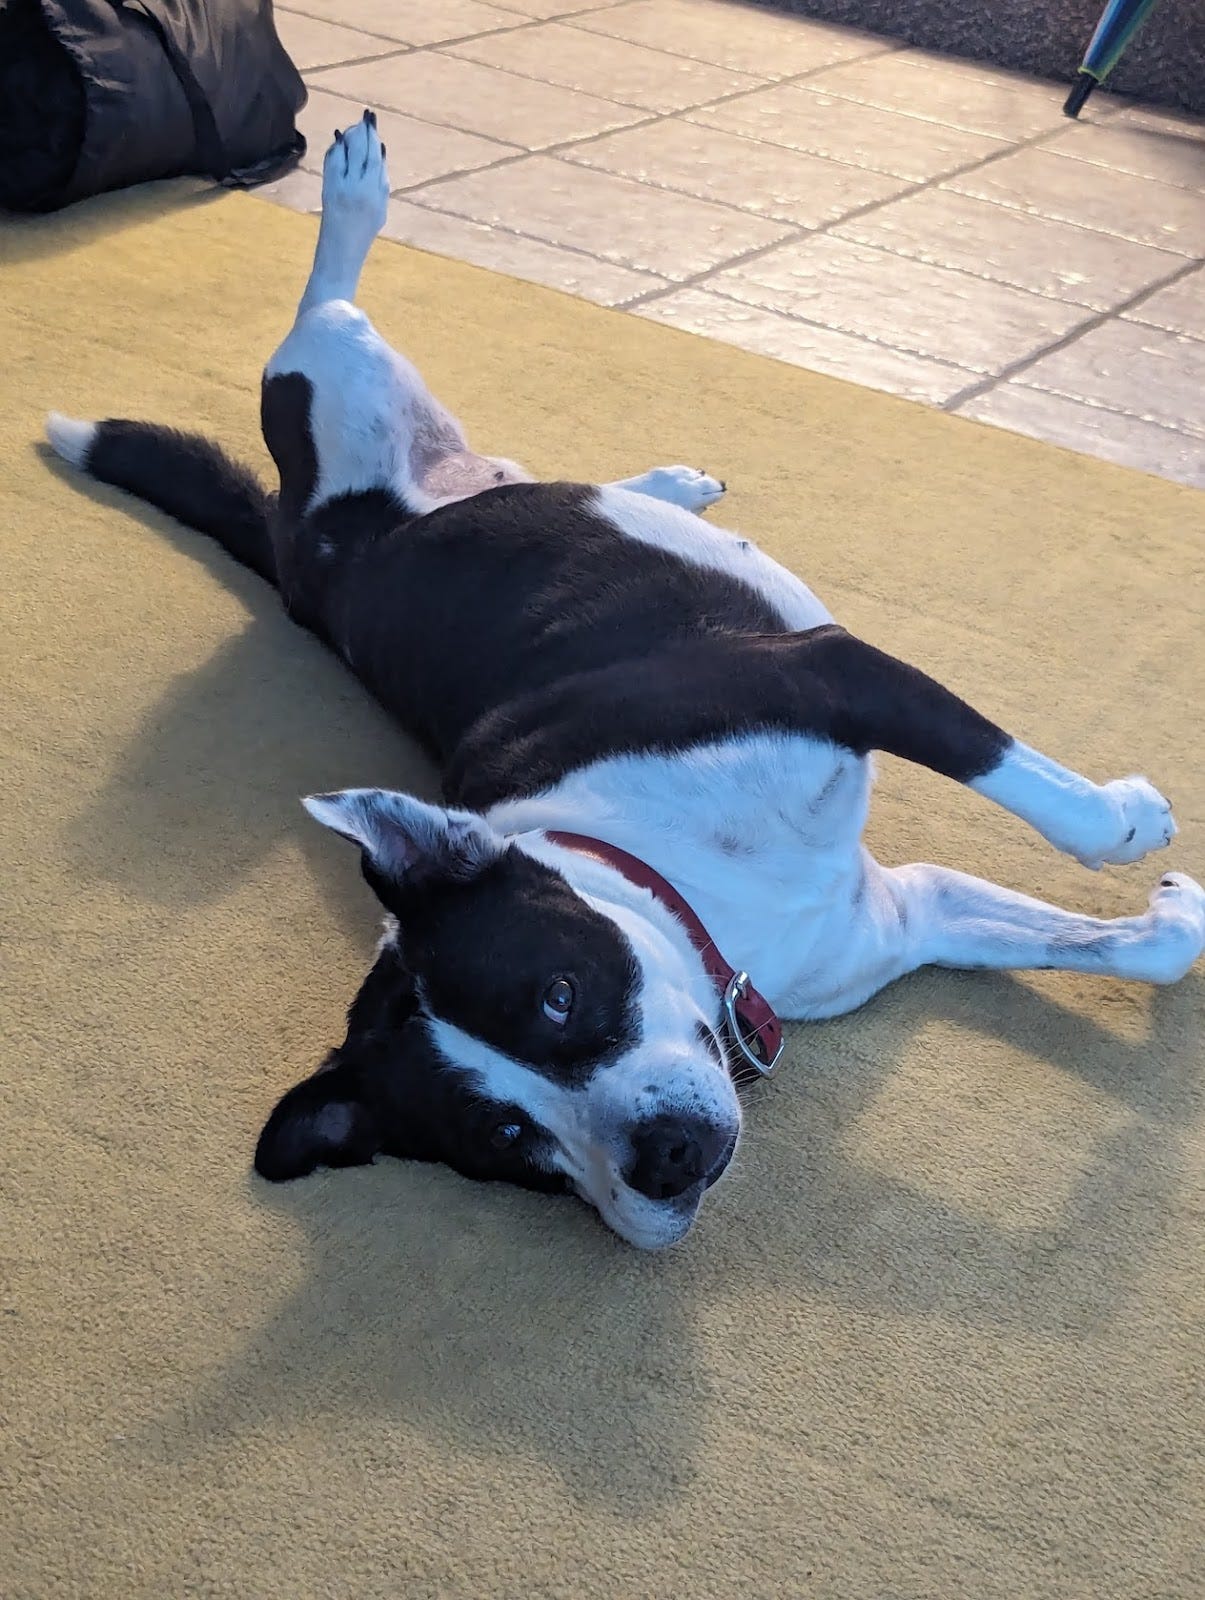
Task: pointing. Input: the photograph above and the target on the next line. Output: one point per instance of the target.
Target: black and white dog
(647, 729)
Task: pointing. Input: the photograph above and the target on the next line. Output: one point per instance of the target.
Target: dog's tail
(190, 478)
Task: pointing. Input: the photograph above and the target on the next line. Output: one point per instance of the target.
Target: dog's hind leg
(355, 197)
(688, 487)
(344, 413)
(901, 918)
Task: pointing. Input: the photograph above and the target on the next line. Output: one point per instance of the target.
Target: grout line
(794, 232)
(356, 61)
(558, 147)
(684, 115)
(1007, 373)
(657, 278)
(576, 11)
(878, 45)
(861, 211)
(517, 153)
(1157, 327)
(432, 47)
(811, 322)
(370, 33)
(661, 289)
(661, 283)
(628, 105)
(651, 112)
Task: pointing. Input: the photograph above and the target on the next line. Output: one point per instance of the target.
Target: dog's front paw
(1140, 820)
(355, 180)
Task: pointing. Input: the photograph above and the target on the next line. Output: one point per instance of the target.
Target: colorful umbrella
(1118, 25)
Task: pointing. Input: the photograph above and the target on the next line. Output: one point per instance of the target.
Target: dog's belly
(520, 588)
(760, 833)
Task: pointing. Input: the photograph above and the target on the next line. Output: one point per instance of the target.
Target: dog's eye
(558, 1000)
(506, 1134)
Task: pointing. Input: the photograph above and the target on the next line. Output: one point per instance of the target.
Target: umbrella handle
(1080, 90)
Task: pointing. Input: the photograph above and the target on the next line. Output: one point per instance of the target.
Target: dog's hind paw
(355, 180)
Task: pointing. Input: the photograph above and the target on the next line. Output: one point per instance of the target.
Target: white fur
(70, 439)
(589, 1128)
(1099, 824)
(959, 921)
(398, 831)
(687, 487)
(374, 421)
(355, 199)
(759, 834)
(655, 521)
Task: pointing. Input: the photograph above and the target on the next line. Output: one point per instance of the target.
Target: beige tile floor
(830, 198)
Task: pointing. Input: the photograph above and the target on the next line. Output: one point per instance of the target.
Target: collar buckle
(750, 1039)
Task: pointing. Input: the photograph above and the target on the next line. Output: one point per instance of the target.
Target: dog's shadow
(446, 1316)
(237, 739)
(211, 783)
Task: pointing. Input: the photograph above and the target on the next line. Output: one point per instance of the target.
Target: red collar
(755, 1031)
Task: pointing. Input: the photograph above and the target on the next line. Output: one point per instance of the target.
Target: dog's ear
(406, 839)
(324, 1121)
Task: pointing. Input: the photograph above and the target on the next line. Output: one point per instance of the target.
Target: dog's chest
(759, 832)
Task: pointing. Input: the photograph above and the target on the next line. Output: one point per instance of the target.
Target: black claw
(1166, 883)
(338, 136)
(723, 486)
(370, 117)
(382, 152)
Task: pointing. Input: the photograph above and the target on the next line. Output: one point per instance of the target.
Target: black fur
(485, 951)
(396, 1098)
(823, 682)
(544, 607)
(194, 481)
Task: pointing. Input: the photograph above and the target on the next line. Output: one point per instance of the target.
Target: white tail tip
(70, 439)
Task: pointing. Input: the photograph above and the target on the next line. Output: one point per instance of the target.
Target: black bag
(98, 94)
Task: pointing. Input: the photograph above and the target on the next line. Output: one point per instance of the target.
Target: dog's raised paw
(355, 180)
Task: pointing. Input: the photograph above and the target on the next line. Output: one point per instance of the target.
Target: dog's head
(516, 1029)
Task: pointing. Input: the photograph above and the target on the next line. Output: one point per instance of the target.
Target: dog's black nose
(672, 1154)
